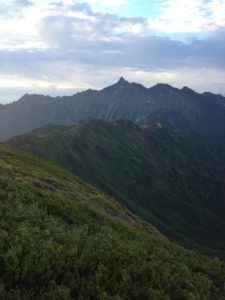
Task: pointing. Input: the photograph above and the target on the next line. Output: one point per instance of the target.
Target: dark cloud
(106, 39)
(146, 52)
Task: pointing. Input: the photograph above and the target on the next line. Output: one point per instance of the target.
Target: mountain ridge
(163, 172)
(121, 100)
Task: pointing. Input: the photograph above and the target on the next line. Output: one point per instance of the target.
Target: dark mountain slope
(169, 176)
(205, 113)
(63, 239)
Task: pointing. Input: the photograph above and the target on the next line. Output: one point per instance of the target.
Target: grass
(169, 176)
(60, 238)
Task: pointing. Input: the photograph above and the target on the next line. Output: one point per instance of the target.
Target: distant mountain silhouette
(204, 113)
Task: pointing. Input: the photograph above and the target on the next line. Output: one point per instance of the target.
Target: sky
(59, 47)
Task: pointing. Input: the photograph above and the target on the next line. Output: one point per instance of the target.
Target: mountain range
(205, 113)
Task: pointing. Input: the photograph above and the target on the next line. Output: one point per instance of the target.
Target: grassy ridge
(168, 176)
(60, 238)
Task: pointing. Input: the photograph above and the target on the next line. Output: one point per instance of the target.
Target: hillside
(63, 239)
(169, 176)
(205, 113)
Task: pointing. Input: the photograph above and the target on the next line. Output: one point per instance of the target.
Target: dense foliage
(167, 174)
(62, 239)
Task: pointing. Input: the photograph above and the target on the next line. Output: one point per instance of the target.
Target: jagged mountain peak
(122, 80)
(120, 85)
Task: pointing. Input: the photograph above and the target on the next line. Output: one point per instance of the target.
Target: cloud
(13, 8)
(190, 15)
(65, 45)
(107, 3)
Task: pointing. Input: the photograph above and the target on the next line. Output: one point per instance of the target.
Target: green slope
(168, 176)
(63, 239)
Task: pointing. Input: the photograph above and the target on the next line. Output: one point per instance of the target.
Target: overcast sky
(59, 47)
